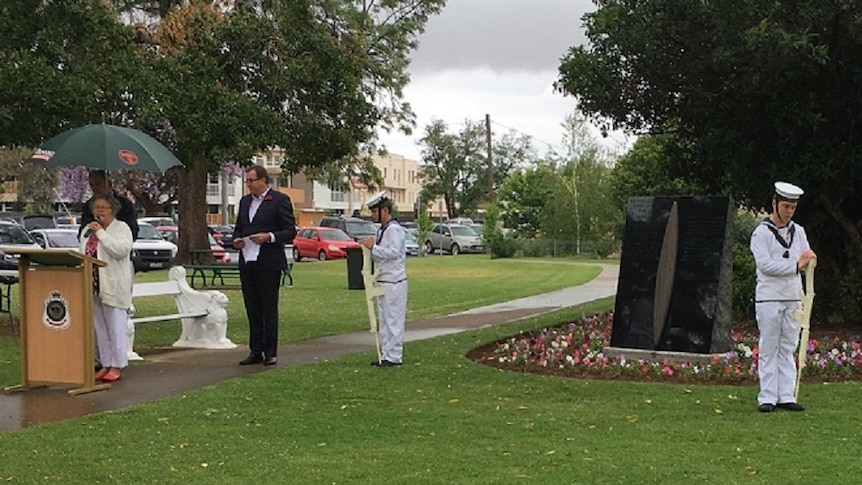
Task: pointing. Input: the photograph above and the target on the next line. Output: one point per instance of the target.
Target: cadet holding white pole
(781, 252)
(387, 250)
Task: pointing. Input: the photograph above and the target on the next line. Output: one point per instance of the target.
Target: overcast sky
(498, 57)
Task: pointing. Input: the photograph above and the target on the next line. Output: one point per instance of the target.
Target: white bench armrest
(203, 313)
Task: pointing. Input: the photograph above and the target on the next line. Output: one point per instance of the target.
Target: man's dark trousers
(260, 287)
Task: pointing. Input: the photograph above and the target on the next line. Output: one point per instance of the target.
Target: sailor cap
(377, 199)
(786, 191)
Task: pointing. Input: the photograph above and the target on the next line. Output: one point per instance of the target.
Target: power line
(557, 148)
(535, 138)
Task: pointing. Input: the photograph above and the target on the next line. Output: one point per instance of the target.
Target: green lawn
(320, 304)
(444, 419)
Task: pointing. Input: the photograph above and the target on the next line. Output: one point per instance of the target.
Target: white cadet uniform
(391, 256)
(779, 287)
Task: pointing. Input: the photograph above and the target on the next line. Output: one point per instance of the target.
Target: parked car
(223, 234)
(453, 239)
(13, 235)
(158, 221)
(464, 221)
(412, 227)
(169, 233)
(56, 238)
(172, 234)
(411, 246)
(150, 250)
(68, 220)
(38, 221)
(322, 243)
(354, 227)
(219, 252)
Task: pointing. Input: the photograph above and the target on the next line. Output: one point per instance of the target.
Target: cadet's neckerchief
(382, 229)
(790, 231)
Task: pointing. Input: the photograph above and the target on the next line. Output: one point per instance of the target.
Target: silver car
(56, 238)
(453, 239)
(411, 247)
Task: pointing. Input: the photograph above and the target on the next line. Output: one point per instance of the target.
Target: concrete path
(169, 372)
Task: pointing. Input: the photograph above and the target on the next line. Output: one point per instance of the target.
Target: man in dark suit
(264, 224)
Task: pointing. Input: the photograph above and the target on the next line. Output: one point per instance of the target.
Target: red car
(322, 243)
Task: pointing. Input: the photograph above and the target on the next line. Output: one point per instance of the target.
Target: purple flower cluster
(231, 171)
(578, 348)
(73, 184)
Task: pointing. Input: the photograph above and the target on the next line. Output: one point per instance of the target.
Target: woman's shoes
(112, 377)
(109, 374)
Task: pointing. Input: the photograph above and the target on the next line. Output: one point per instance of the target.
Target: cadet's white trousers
(392, 307)
(776, 363)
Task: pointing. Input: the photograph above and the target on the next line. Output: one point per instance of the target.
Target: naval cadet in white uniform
(781, 252)
(388, 251)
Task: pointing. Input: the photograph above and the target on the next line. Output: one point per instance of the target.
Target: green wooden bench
(212, 276)
(212, 272)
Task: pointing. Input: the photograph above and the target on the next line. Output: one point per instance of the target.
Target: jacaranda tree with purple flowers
(73, 184)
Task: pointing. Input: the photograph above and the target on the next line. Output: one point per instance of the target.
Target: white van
(150, 250)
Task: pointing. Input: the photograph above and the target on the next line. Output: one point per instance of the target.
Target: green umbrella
(108, 147)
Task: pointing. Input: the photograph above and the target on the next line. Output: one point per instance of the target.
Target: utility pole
(490, 158)
(223, 185)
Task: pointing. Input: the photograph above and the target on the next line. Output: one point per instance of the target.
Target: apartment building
(400, 180)
(311, 199)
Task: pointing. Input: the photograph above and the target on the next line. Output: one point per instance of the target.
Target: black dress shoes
(252, 359)
(385, 363)
(270, 360)
(766, 407)
(790, 406)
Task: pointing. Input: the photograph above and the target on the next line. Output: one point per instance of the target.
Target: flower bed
(575, 349)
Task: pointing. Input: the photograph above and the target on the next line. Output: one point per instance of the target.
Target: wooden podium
(57, 334)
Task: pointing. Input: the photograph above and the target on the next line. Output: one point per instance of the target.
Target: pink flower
(581, 343)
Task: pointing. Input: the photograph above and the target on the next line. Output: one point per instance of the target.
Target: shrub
(503, 246)
(498, 244)
(744, 269)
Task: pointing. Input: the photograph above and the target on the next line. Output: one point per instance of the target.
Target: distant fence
(557, 248)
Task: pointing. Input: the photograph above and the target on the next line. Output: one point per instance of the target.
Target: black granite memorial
(674, 289)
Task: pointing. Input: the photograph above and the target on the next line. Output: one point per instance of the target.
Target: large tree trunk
(851, 230)
(839, 266)
(192, 198)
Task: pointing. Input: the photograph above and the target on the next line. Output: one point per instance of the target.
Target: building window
(271, 161)
(284, 180)
(336, 196)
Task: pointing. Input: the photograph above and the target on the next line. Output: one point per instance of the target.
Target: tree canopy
(566, 198)
(215, 82)
(747, 94)
(454, 166)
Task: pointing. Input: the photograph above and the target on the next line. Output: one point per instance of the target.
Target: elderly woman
(110, 240)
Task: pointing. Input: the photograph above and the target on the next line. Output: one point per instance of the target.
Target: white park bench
(203, 313)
